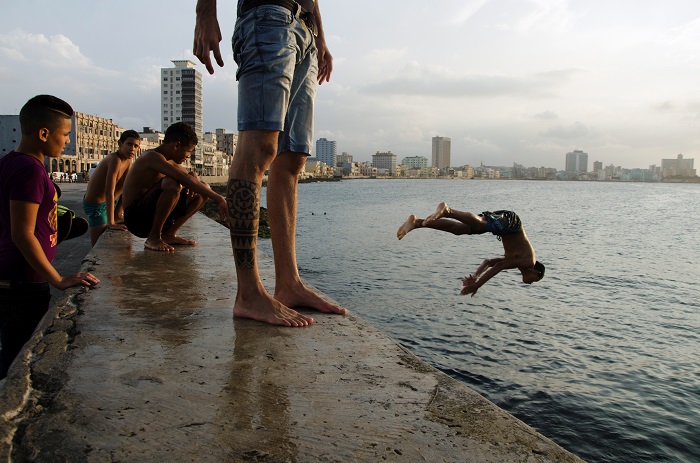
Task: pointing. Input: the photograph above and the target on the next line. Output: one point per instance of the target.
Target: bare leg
(96, 232)
(282, 202)
(442, 210)
(464, 223)
(166, 203)
(254, 152)
(170, 235)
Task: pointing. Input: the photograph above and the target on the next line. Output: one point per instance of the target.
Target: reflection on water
(601, 355)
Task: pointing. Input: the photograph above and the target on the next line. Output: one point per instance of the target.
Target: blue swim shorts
(277, 72)
(96, 213)
(502, 222)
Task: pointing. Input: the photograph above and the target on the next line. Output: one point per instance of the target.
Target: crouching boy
(159, 195)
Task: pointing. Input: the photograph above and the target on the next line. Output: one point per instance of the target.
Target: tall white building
(441, 152)
(326, 151)
(181, 101)
(576, 161)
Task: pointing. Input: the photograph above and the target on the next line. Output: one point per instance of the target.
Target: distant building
(226, 142)
(181, 101)
(441, 152)
(344, 158)
(415, 162)
(576, 162)
(326, 151)
(384, 162)
(597, 166)
(91, 139)
(678, 167)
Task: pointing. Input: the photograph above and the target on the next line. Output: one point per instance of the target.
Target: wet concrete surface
(151, 366)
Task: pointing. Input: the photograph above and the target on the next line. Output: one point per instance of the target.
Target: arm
(23, 220)
(325, 60)
(191, 182)
(110, 187)
(207, 34)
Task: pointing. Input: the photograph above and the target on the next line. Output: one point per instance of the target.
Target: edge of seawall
(151, 365)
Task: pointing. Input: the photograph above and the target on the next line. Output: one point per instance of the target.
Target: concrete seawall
(151, 366)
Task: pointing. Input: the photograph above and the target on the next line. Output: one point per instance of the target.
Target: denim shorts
(277, 72)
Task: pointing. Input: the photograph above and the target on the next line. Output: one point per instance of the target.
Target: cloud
(545, 115)
(420, 81)
(467, 11)
(573, 131)
(54, 52)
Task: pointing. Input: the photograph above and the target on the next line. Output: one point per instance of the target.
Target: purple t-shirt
(23, 178)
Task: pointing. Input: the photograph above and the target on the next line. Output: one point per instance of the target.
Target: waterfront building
(415, 162)
(576, 162)
(345, 158)
(678, 167)
(10, 133)
(214, 161)
(226, 142)
(326, 151)
(384, 162)
(181, 101)
(441, 152)
(91, 139)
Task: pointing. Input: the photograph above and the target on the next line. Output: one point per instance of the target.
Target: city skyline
(546, 78)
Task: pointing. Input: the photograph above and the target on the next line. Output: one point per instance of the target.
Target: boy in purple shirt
(28, 225)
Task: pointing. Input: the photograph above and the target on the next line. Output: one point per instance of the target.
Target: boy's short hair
(539, 266)
(181, 132)
(129, 134)
(43, 111)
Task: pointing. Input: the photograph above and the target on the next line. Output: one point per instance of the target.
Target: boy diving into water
(506, 225)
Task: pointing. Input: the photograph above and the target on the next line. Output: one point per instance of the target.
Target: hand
(470, 286)
(117, 226)
(223, 209)
(79, 279)
(325, 64)
(207, 36)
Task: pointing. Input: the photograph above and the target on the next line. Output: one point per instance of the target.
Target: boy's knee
(171, 185)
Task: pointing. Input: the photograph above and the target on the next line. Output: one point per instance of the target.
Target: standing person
(28, 225)
(281, 52)
(105, 187)
(506, 225)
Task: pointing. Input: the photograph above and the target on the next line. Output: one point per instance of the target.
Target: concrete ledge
(151, 366)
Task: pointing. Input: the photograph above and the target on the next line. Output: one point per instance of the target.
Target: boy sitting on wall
(105, 187)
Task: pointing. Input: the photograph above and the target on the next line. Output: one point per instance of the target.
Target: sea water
(602, 355)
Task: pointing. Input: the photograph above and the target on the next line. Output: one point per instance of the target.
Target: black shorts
(138, 217)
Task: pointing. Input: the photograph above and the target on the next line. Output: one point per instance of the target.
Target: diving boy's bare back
(517, 249)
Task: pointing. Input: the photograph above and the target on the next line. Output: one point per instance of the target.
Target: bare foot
(158, 245)
(443, 210)
(267, 310)
(304, 297)
(409, 225)
(179, 240)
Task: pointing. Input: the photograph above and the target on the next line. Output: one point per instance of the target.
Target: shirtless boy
(105, 187)
(159, 195)
(506, 225)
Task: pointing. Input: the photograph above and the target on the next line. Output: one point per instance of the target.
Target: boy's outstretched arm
(473, 283)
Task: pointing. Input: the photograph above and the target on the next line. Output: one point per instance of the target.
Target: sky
(509, 81)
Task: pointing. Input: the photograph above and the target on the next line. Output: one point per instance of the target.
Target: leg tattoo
(243, 199)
